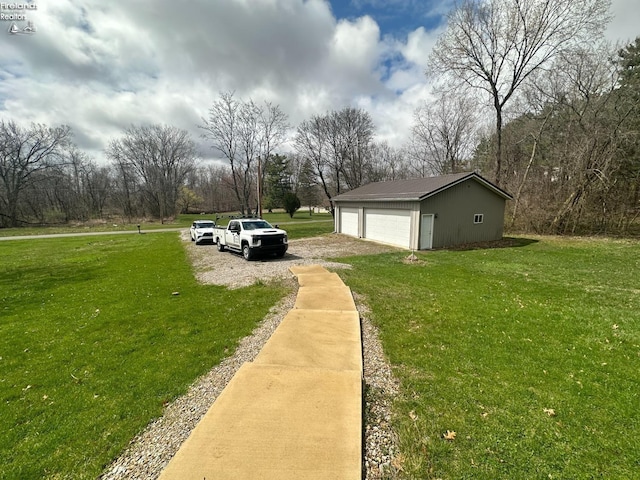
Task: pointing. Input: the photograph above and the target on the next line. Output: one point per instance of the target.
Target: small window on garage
(478, 218)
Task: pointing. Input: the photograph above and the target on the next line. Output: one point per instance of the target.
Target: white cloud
(355, 44)
(419, 45)
(101, 66)
(625, 24)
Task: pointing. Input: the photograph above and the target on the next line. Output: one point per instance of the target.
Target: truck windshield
(204, 225)
(255, 224)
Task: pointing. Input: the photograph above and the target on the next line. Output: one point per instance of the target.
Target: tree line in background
(563, 137)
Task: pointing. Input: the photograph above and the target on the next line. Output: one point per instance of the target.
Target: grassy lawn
(281, 218)
(530, 354)
(310, 229)
(93, 343)
(300, 226)
(181, 221)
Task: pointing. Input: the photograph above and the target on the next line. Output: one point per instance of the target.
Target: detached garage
(388, 226)
(424, 213)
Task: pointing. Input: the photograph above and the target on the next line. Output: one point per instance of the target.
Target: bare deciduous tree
(244, 132)
(311, 145)
(444, 132)
(161, 157)
(339, 147)
(588, 138)
(97, 185)
(388, 163)
(350, 137)
(25, 155)
(304, 182)
(569, 158)
(495, 45)
(216, 187)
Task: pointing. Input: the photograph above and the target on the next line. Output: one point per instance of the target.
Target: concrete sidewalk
(296, 411)
(311, 338)
(276, 422)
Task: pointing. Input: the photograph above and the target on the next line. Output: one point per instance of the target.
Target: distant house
(424, 213)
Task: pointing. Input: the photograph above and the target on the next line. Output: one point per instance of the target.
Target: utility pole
(259, 187)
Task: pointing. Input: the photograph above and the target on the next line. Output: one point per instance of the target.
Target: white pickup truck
(251, 237)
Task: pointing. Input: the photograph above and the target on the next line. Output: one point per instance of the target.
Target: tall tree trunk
(536, 138)
(498, 142)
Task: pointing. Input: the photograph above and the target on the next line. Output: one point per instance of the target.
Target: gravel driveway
(232, 270)
(152, 449)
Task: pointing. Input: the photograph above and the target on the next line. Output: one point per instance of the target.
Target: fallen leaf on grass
(550, 411)
(450, 435)
(413, 416)
(397, 462)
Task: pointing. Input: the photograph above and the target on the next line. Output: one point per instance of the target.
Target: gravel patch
(382, 459)
(150, 451)
(233, 271)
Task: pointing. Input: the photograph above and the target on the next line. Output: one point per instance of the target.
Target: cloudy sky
(100, 66)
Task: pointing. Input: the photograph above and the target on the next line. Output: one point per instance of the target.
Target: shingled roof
(414, 189)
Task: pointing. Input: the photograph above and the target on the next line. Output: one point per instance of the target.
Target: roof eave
(365, 198)
(377, 199)
(486, 183)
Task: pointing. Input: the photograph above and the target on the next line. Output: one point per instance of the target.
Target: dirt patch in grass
(506, 242)
(232, 270)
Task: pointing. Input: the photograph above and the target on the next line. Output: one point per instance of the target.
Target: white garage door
(388, 226)
(349, 221)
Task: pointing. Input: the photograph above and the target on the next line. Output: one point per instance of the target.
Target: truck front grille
(269, 240)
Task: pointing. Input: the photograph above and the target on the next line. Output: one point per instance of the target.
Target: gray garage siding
(456, 207)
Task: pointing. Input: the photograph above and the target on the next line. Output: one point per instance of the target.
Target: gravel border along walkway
(150, 451)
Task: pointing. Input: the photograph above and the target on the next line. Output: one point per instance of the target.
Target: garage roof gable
(415, 189)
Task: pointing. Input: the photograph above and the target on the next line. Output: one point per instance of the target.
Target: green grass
(530, 354)
(278, 217)
(309, 229)
(302, 225)
(181, 221)
(93, 343)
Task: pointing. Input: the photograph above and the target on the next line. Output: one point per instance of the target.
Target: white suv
(202, 231)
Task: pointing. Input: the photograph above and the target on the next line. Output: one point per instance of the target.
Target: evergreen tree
(291, 203)
(278, 181)
(307, 187)
(629, 150)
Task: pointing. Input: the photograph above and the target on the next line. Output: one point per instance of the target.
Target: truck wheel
(220, 247)
(246, 252)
